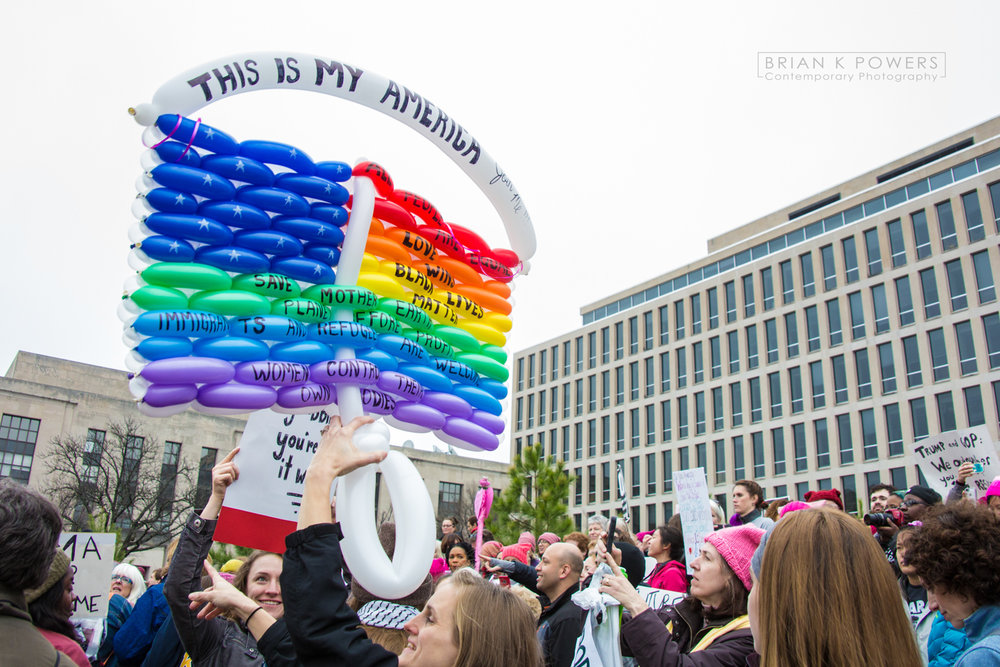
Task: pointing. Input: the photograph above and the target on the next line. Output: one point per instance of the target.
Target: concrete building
(43, 398)
(806, 350)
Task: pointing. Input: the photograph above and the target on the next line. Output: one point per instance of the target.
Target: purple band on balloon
(491, 423)
(237, 396)
(308, 394)
(186, 370)
(272, 373)
(348, 371)
(162, 395)
(400, 385)
(421, 415)
(377, 401)
(450, 404)
(471, 433)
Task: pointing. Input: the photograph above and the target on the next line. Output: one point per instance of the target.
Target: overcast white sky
(634, 132)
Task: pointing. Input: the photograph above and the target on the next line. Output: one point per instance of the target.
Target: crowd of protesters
(788, 582)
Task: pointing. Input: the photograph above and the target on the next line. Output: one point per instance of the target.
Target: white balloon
(132, 283)
(404, 426)
(144, 183)
(138, 260)
(167, 411)
(224, 412)
(461, 444)
(149, 160)
(124, 314)
(141, 208)
(139, 386)
(135, 362)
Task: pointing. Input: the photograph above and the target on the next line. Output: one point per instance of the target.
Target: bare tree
(121, 481)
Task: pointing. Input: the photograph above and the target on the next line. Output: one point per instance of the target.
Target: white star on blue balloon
(234, 255)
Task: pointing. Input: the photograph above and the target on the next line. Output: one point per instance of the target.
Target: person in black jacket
(466, 623)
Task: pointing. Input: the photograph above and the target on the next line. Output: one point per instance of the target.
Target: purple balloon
(378, 402)
(347, 371)
(187, 370)
(272, 373)
(448, 403)
(421, 415)
(473, 434)
(236, 395)
(308, 394)
(400, 385)
(490, 422)
(162, 395)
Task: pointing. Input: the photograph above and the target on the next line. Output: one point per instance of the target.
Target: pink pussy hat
(736, 546)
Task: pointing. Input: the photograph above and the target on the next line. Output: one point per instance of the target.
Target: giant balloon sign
(266, 279)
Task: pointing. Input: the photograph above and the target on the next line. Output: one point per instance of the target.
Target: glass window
(896, 244)
(759, 470)
(579, 396)
(850, 259)
(699, 370)
(946, 411)
(767, 287)
(647, 330)
(787, 282)
(650, 424)
(799, 446)
(18, 437)
(541, 408)
(833, 320)
(844, 438)
(974, 405)
(542, 366)
(591, 437)
(946, 223)
(829, 268)
(751, 338)
(664, 324)
(592, 483)
(939, 355)
(868, 435)
(872, 252)
(887, 367)
(774, 392)
(713, 307)
(664, 371)
(520, 374)
(579, 354)
(720, 461)
(651, 474)
(733, 338)
(730, 289)
(966, 347)
(619, 384)
(795, 388)
(682, 418)
(695, 314)
(822, 443)
(668, 471)
(531, 370)
(620, 431)
(863, 372)
(665, 419)
(857, 309)
(756, 413)
(991, 326)
(633, 335)
(881, 307)
(808, 281)
(699, 412)
(718, 413)
(791, 335)
(716, 356)
(911, 355)
(812, 328)
(592, 349)
(736, 404)
(204, 485)
(578, 486)
(606, 343)
(816, 377)
(605, 434)
(904, 300)
(921, 236)
(771, 339)
(748, 295)
(973, 216)
(684, 458)
(650, 374)
(567, 367)
(850, 488)
(605, 389)
(739, 463)
(681, 360)
(633, 380)
(995, 200)
(928, 286)
(956, 285)
(778, 449)
(984, 277)
(893, 429)
(918, 418)
(839, 379)
(679, 319)
(606, 480)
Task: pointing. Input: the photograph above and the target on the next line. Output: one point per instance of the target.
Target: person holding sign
(957, 492)
(257, 636)
(468, 622)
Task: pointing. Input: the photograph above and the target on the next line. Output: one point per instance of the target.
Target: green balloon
(382, 323)
(268, 284)
(456, 337)
(233, 303)
(484, 365)
(495, 353)
(154, 297)
(187, 275)
(432, 344)
(302, 309)
(406, 313)
(337, 296)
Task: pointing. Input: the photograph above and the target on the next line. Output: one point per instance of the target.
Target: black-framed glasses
(911, 503)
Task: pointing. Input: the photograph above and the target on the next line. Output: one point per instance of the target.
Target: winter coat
(135, 636)
(669, 576)
(323, 629)
(166, 649)
(21, 644)
(679, 636)
(119, 610)
(559, 627)
(946, 643)
(216, 642)
(66, 645)
(983, 631)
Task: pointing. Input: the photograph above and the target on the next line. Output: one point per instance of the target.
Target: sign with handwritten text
(939, 458)
(91, 557)
(691, 489)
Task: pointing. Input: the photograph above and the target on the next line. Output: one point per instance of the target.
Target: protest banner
(91, 558)
(262, 507)
(939, 458)
(657, 598)
(691, 490)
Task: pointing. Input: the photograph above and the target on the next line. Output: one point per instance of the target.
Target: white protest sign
(91, 557)
(691, 489)
(940, 456)
(657, 598)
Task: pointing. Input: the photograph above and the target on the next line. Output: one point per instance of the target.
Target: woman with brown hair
(666, 547)
(825, 595)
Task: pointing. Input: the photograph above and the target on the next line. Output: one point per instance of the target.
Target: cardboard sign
(262, 507)
(940, 456)
(691, 490)
(657, 598)
(91, 557)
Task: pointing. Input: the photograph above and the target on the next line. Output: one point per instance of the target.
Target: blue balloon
(181, 324)
(269, 327)
(166, 249)
(322, 253)
(163, 347)
(385, 362)
(193, 180)
(338, 333)
(428, 377)
(479, 399)
(314, 187)
(273, 152)
(231, 348)
(238, 168)
(232, 258)
(304, 269)
(302, 352)
(171, 201)
(407, 350)
(496, 389)
(275, 200)
(269, 242)
(336, 215)
(309, 229)
(457, 371)
(334, 171)
(207, 137)
(193, 227)
(178, 153)
(233, 214)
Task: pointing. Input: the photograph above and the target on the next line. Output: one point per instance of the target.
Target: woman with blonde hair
(823, 594)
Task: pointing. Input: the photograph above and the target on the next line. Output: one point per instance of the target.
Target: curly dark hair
(956, 550)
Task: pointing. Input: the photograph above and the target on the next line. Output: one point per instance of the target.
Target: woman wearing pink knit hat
(545, 540)
(710, 627)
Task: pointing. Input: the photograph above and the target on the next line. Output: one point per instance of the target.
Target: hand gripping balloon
(268, 280)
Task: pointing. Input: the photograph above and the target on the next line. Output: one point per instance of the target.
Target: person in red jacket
(666, 547)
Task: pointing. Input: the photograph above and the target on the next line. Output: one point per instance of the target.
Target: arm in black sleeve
(562, 639)
(200, 637)
(276, 646)
(324, 630)
(525, 575)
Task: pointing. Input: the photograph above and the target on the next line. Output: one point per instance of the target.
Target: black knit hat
(925, 493)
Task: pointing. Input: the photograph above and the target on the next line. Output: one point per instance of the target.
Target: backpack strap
(738, 623)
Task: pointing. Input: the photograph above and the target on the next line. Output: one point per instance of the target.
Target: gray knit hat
(58, 570)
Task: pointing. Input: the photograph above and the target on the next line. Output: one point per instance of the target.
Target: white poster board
(657, 598)
(940, 456)
(691, 490)
(91, 557)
